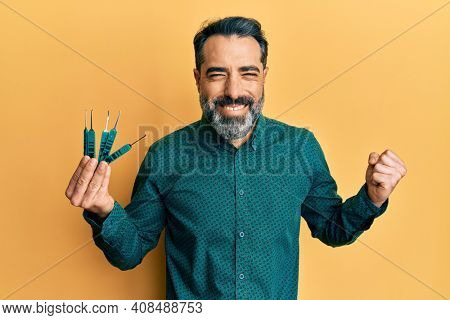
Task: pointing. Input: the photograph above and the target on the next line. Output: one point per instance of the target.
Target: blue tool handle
(102, 145)
(91, 143)
(109, 143)
(85, 145)
(118, 153)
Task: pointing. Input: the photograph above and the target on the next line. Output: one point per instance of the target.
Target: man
(230, 188)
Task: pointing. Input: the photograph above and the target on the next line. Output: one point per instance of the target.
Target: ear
(197, 79)
(265, 73)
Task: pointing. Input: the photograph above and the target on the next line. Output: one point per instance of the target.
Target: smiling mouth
(234, 107)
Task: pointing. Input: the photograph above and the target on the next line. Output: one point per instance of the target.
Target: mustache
(226, 100)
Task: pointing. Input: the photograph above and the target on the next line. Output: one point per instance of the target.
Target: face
(230, 83)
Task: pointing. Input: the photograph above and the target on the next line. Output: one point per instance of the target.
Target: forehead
(232, 50)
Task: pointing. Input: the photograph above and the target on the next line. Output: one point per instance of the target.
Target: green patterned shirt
(232, 215)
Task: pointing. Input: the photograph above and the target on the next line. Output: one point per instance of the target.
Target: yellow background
(59, 58)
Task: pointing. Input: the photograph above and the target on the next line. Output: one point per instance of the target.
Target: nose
(233, 87)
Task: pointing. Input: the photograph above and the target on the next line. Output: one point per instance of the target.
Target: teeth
(234, 109)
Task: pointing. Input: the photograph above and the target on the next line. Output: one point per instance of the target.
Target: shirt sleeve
(332, 221)
(127, 234)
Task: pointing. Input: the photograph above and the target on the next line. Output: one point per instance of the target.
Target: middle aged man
(231, 187)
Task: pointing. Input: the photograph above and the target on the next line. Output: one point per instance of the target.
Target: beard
(231, 127)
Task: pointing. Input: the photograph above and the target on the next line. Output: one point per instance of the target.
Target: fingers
(395, 157)
(83, 182)
(382, 168)
(387, 158)
(73, 181)
(105, 183)
(94, 185)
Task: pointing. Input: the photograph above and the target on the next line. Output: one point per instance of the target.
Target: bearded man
(230, 188)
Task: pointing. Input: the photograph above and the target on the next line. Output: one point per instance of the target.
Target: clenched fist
(88, 187)
(383, 174)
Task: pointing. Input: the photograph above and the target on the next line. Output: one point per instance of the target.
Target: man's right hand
(88, 187)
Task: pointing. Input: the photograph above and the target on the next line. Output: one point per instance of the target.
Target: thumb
(373, 158)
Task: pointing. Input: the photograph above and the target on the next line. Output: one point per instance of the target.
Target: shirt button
(241, 276)
(241, 192)
(241, 234)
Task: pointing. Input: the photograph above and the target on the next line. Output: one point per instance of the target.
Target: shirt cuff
(364, 195)
(98, 222)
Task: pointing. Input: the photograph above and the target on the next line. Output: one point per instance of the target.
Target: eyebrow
(241, 69)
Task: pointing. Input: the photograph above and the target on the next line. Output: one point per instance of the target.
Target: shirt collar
(210, 136)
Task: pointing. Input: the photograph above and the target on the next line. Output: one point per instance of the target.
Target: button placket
(240, 219)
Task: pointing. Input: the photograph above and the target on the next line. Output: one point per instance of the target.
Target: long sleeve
(128, 234)
(332, 221)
